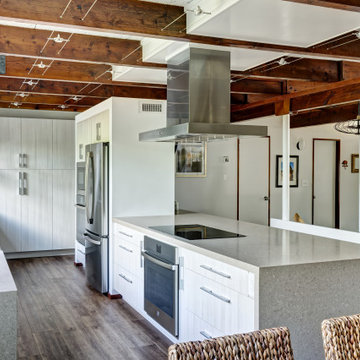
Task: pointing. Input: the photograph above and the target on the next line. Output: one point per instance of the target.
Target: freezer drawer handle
(125, 248)
(209, 268)
(205, 335)
(88, 238)
(125, 278)
(159, 262)
(220, 297)
(122, 233)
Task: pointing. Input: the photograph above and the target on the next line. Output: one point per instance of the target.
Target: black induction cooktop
(195, 232)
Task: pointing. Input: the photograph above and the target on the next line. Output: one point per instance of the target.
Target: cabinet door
(10, 143)
(36, 210)
(37, 143)
(100, 127)
(83, 137)
(63, 209)
(63, 144)
(10, 211)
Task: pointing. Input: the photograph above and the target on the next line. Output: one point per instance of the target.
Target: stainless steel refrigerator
(97, 215)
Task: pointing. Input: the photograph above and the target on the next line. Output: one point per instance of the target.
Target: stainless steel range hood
(198, 100)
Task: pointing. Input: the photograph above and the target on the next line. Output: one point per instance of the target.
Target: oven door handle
(159, 262)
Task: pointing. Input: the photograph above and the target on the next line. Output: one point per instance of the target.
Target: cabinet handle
(21, 190)
(209, 268)
(205, 335)
(20, 161)
(25, 184)
(24, 160)
(98, 131)
(125, 278)
(122, 233)
(81, 156)
(125, 248)
(220, 297)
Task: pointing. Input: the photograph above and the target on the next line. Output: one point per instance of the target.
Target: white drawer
(127, 234)
(228, 275)
(193, 328)
(130, 287)
(218, 305)
(127, 255)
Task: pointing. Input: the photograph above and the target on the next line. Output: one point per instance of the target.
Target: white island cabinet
(268, 278)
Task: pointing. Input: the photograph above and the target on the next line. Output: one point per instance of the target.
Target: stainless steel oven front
(161, 283)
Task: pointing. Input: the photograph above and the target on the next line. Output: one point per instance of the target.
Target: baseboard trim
(114, 296)
(34, 254)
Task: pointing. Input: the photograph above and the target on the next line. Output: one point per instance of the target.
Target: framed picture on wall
(190, 160)
(293, 171)
(354, 163)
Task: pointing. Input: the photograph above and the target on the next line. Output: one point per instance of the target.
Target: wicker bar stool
(269, 344)
(341, 338)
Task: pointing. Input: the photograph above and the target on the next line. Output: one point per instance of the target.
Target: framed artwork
(293, 171)
(354, 163)
(191, 160)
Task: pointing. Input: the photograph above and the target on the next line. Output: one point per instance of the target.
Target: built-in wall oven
(161, 283)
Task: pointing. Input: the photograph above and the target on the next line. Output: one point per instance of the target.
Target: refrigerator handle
(89, 193)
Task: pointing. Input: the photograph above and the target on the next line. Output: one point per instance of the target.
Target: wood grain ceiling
(81, 67)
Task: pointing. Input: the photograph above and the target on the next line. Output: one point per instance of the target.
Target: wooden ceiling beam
(80, 48)
(322, 96)
(350, 5)
(257, 86)
(25, 105)
(131, 90)
(143, 19)
(324, 116)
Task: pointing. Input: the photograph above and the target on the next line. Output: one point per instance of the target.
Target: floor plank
(60, 317)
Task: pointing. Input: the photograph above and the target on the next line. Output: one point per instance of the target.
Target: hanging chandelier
(350, 126)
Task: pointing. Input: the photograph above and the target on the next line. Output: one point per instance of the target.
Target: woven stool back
(341, 338)
(269, 344)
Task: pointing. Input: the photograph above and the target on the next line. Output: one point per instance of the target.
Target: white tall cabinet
(36, 184)
(141, 174)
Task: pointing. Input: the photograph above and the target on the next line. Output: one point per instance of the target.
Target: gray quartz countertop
(262, 247)
(7, 283)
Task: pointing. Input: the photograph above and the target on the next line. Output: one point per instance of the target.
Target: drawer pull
(208, 268)
(125, 278)
(122, 233)
(205, 335)
(125, 248)
(220, 297)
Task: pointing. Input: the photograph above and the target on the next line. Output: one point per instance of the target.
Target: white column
(286, 165)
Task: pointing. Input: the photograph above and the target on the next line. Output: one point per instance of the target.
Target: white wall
(216, 193)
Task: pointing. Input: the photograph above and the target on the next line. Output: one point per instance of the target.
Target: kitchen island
(269, 278)
(8, 312)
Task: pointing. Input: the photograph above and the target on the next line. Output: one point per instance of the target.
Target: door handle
(25, 184)
(266, 198)
(24, 160)
(20, 160)
(98, 131)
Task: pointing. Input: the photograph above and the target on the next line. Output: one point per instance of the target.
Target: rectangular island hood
(198, 100)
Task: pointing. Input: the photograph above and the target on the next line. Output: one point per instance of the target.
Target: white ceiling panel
(274, 21)
(139, 74)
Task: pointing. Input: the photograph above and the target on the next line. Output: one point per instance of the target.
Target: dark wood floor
(62, 318)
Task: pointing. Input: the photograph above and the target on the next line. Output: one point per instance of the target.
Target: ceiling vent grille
(146, 107)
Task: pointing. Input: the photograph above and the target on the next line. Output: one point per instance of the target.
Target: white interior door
(324, 183)
(254, 180)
